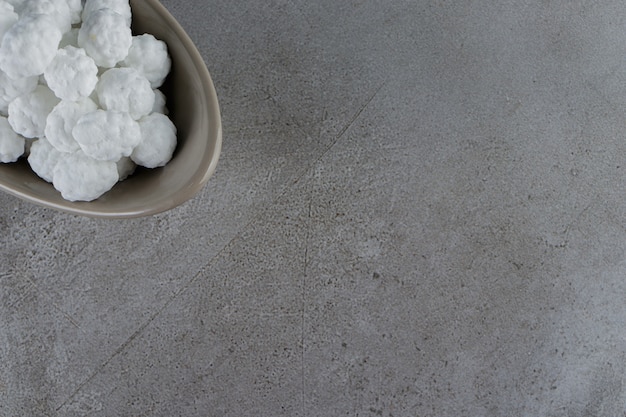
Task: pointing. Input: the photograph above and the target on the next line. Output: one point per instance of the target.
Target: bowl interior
(194, 109)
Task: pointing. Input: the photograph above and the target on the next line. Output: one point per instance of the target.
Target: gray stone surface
(419, 211)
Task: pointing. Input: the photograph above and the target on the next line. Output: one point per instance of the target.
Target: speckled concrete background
(419, 211)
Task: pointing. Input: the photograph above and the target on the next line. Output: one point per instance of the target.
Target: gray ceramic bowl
(194, 109)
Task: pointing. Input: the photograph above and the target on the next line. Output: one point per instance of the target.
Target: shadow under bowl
(194, 109)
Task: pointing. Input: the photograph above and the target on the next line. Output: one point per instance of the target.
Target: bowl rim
(200, 177)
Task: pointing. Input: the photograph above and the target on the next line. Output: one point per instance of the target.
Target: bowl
(194, 109)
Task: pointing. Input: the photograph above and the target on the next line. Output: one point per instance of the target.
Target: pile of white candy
(79, 94)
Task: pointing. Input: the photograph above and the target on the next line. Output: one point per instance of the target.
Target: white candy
(81, 178)
(28, 112)
(125, 90)
(122, 7)
(158, 141)
(11, 88)
(61, 122)
(43, 158)
(125, 167)
(149, 56)
(71, 74)
(107, 135)
(7, 18)
(11, 144)
(106, 37)
(82, 124)
(58, 10)
(29, 46)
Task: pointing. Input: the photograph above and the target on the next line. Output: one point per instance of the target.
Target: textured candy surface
(125, 90)
(107, 135)
(11, 144)
(81, 178)
(61, 121)
(28, 112)
(29, 46)
(71, 74)
(106, 37)
(158, 141)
